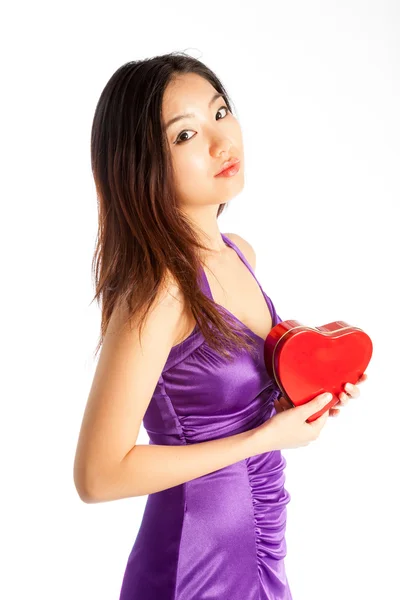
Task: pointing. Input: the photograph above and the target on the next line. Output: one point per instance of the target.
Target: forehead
(185, 90)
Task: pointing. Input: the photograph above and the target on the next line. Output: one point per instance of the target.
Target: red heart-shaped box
(308, 361)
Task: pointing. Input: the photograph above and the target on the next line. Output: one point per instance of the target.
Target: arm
(147, 469)
(108, 463)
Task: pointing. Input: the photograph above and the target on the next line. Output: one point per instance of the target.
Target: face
(201, 143)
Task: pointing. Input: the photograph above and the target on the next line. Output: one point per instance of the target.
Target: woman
(184, 321)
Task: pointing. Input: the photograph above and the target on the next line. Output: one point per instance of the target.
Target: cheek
(191, 170)
(190, 161)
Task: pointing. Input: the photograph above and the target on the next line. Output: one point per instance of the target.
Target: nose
(220, 147)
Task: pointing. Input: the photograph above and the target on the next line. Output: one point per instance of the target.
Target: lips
(227, 164)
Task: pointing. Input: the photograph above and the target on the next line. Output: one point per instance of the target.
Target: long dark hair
(141, 231)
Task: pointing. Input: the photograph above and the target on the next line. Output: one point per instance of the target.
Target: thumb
(317, 403)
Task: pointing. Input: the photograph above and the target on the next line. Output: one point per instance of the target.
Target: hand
(351, 392)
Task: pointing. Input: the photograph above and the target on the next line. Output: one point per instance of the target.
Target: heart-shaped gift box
(308, 361)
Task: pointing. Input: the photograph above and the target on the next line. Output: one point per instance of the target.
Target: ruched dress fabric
(220, 536)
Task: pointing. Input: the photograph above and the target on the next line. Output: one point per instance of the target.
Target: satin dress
(220, 536)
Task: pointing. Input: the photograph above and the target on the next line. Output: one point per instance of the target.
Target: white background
(316, 87)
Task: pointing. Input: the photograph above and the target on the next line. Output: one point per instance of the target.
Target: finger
(352, 390)
(334, 412)
(343, 399)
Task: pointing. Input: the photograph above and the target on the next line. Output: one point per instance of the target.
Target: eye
(180, 141)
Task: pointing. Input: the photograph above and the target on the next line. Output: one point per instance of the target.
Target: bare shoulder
(169, 298)
(245, 247)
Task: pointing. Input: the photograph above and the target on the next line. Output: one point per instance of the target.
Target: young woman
(184, 321)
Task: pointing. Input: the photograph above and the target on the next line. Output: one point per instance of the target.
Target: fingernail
(349, 387)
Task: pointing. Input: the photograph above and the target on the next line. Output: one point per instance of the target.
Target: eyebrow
(191, 115)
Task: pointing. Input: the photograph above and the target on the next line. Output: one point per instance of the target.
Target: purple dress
(220, 536)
